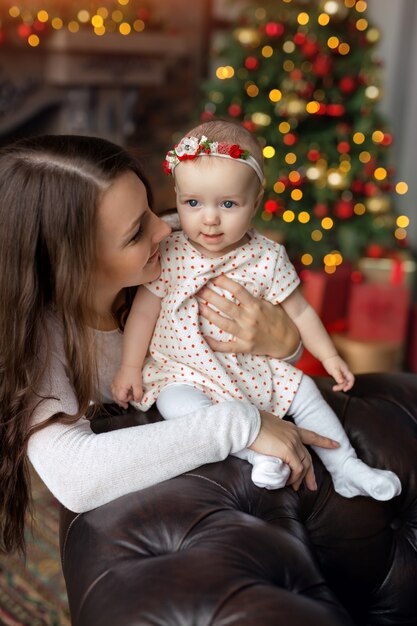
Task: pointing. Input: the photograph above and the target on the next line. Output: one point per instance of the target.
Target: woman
(77, 235)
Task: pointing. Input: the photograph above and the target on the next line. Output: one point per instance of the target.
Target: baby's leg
(178, 400)
(351, 477)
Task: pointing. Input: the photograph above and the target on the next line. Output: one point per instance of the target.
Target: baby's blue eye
(192, 203)
(228, 204)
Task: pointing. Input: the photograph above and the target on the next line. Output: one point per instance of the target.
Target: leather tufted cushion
(210, 548)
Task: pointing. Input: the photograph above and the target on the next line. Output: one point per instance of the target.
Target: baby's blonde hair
(230, 133)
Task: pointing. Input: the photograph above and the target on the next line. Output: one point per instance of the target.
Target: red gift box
(378, 312)
(328, 294)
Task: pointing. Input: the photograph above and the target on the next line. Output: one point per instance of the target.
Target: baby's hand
(127, 385)
(336, 367)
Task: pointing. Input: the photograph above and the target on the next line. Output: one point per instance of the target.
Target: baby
(218, 173)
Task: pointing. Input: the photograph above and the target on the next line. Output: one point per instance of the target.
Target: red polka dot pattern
(179, 351)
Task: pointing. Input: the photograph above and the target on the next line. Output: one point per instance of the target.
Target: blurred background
(329, 88)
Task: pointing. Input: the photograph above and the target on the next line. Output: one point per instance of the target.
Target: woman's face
(128, 236)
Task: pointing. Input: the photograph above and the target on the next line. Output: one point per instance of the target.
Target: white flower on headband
(187, 148)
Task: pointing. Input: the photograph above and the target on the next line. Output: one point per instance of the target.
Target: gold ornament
(337, 179)
(291, 106)
(379, 204)
(248, 37)
(336, 9)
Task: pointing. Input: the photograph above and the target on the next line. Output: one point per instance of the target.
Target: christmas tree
(302, 75)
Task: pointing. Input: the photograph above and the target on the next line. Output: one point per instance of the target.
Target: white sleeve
(284, 279)
(84, 470)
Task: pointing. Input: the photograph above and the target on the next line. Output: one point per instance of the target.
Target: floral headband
(190, 148)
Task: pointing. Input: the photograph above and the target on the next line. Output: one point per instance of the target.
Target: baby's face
(216, 201)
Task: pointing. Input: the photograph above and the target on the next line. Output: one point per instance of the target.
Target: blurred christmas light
(401, 188)
(279, 187)
(275, 95)
(267, 52)
(269, 152)
(400, 233)
(304, 217)
(317, 235)
(323, 19)
(359, 208)
(307, 259)
(288, 216)
(225, 72)
(252, 90)
(327, 223)
(296, 195)
(402, 221)
(361, 6)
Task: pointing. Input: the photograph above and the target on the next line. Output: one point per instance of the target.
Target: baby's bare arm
(317, 340)
(127, 383)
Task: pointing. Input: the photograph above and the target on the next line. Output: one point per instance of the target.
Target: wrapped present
(369, 356)
(382, 270)
(328, 294)
(378, 312)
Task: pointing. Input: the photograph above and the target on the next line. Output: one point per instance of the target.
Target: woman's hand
(257, 326)
(286, 441)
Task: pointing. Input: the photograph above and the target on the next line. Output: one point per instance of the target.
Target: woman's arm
(258, 327)
(85, 470)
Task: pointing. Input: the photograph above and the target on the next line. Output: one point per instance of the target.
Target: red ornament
(343, 147)
(251, 63)
(296, 74)
(306, 91)
(206, 116)
(271, 206)
(290, 139)
(234, 110)
(335, 110)
(24, 31)
(387, 140)
(313, 155)
(357, 186)
(274, 29)
(370, 190)
(249, 125)
(321, 210)
(299, 39)
(39, 26)
(374, 251)
(310, 48)
(343, 209)
(347, 84)
(322, 65)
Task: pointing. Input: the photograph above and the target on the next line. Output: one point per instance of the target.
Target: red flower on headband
(235, 151)
(167, 167)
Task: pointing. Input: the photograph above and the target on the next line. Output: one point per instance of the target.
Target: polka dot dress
(178, 350)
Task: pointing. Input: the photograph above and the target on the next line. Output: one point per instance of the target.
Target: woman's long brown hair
(50, 188)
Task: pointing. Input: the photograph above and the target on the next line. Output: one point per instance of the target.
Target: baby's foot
(270, 473)
(358, 479)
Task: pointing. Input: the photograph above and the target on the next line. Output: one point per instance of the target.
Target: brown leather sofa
(210, 549)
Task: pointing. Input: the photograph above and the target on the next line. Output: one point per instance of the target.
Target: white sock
(351, 476)
(179, 399)
(268, 472)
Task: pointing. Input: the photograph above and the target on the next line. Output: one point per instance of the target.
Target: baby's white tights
(351, 477)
